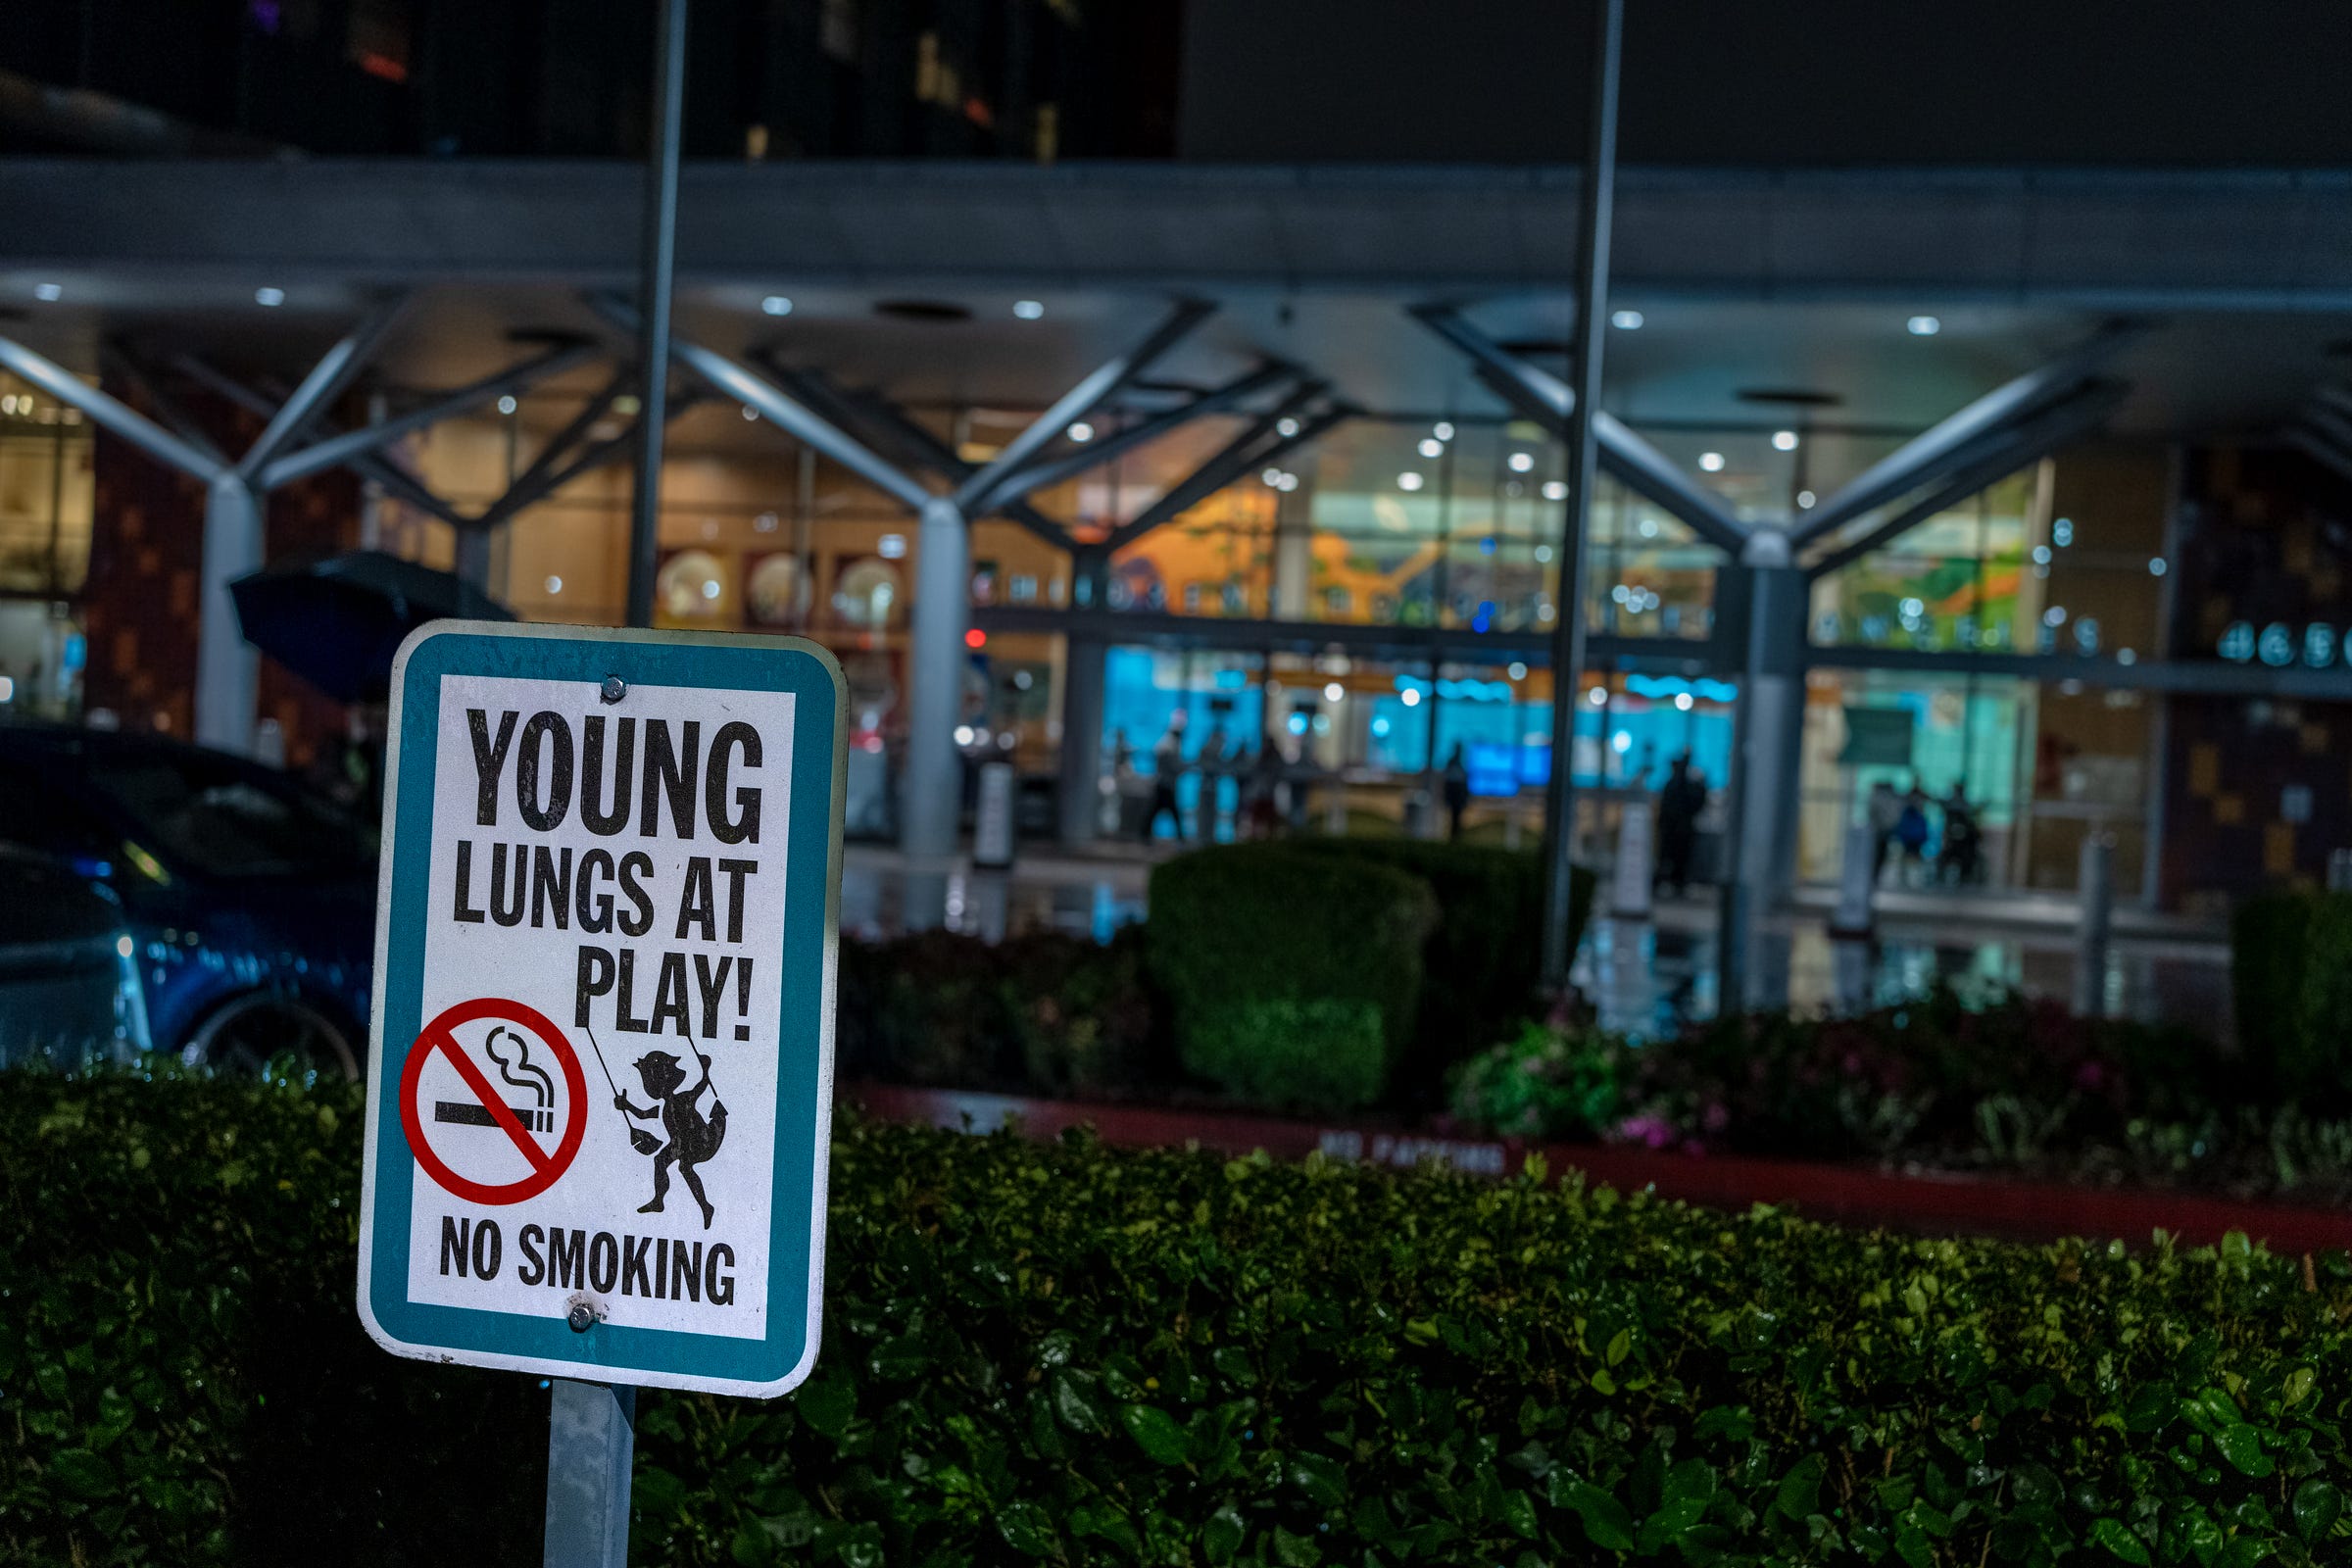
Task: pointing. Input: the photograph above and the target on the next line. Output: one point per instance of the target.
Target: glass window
(46, 493)
(1963, 579)
(223, 820)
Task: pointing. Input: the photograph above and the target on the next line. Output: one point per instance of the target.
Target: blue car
(69, 992)
(249, 899)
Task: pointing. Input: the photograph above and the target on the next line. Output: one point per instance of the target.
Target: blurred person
(1886, 815)
(1131, 787)
(1167, 768)
(1457, 792)
(1963, 838)
(1262, 804)
(1214, 761)
(1911, 833)
(1680, 801)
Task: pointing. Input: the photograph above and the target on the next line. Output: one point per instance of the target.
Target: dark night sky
(2257, 82)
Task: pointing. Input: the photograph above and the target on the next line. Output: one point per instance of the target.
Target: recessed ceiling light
(1923, 326)
(1408, 480)
(506, 404)
(1627, 320)
(775, 305)
(48, 291)
(1522, 462)
(1442, 430)
(1555, 489)
(1082, 431)
(1028, 310)
(923, 309)
(271, 298)
(1783, 440)
(1286, 428)
(1712, 462)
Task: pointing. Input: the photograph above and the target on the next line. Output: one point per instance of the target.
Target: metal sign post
(1593, 218)
(657, 264)
(599, 1104)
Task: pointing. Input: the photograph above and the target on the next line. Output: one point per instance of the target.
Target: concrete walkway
(1651, 975)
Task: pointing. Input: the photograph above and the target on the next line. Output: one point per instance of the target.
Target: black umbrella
(337, 622)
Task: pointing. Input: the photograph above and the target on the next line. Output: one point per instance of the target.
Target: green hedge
(1072, 1355)
(1481, 967)
(1045, 1011)
(1294, 978)
(2290, 963)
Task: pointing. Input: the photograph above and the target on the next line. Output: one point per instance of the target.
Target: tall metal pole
(1584, 464)
(659, 263)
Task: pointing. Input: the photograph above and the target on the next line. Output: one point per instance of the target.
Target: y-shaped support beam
(1542, 398)
(1933, 453)
(1986, 461)
(814, 413)
(227, 669)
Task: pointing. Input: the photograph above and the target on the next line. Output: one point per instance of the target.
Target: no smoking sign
(600, 1102)
(493, 1100)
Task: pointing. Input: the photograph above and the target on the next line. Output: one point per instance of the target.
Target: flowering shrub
(2015, 1085)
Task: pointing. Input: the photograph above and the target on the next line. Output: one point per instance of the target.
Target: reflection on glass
(777, 591)
(1961, 580)
(690, 586)
(867, 595)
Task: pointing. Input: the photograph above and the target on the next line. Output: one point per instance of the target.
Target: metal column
(591, 1441)
(932, 792)
(473, 557)
(1082, 681)
(1293, 561)
(1771, 738)
(1082, 676)
(227, 669)
(659, 263)
(1594, 213)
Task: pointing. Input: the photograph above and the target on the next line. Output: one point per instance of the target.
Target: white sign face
(601, 1100)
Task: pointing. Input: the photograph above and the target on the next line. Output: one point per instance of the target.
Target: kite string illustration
(643, 1141)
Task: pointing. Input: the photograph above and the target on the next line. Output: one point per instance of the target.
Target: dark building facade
(767, 79)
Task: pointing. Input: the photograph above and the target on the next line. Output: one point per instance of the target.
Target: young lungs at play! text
(618, 869)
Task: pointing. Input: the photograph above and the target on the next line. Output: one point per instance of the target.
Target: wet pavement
(1650, 977)
(1646, 977)
(1085, 897)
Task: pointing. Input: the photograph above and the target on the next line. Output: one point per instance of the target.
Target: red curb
(1938, 1203)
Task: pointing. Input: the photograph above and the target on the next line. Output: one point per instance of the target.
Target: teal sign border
(812, 878)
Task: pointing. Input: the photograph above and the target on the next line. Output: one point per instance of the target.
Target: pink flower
(1652, 1132)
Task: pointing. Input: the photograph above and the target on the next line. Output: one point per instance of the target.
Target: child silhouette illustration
(693, 1139)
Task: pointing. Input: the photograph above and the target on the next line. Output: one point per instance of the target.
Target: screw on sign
(463, 1115)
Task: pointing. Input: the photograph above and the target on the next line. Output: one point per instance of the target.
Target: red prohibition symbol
(545, 1169)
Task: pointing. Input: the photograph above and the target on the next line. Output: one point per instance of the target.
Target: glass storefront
(1409, 523)
(47, 497)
